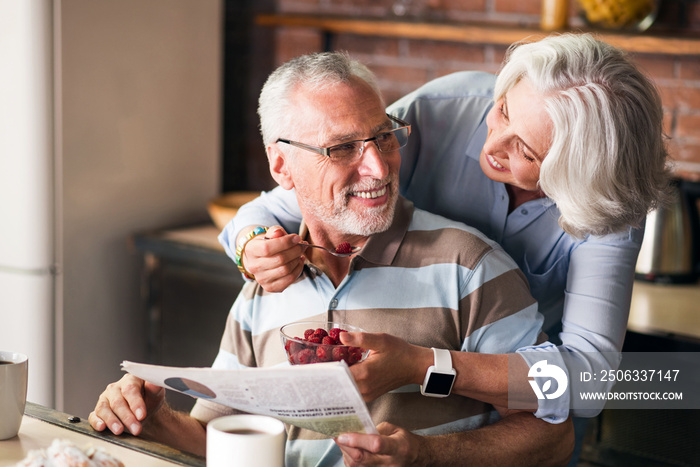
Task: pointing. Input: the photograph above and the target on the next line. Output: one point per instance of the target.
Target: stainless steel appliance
(671, 245)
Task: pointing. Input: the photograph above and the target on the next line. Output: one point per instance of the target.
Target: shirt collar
(479, 139)
(381, 248)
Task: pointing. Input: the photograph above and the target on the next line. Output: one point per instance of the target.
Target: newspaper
(321, 397)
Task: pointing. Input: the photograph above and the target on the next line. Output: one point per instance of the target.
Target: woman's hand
(392, 363)
(275, 259)
(393, 446)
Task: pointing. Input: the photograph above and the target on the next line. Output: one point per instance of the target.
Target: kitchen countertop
(189, 244)
(41, 425)
(666, 310)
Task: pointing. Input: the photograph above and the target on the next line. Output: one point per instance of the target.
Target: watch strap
(443, 360)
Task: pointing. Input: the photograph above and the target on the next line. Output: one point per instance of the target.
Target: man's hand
(276, 261)
(392, 363)
(125, 404)
(393, 446)
(517, 440)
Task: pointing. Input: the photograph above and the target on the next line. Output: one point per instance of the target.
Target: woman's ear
(279, 166)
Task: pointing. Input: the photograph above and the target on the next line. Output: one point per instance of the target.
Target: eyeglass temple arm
(399, 121)
(317, 150)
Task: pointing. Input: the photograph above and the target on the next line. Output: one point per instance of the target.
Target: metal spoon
(354, 250)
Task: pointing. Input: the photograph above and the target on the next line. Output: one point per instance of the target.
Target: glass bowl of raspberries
(319, 341)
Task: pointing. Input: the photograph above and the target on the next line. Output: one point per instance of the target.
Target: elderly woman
(558, 158)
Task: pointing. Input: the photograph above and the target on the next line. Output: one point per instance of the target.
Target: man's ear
(279, 167)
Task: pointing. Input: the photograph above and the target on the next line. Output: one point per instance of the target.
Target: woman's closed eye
(522, 152)
(502, 109)
(528, 158)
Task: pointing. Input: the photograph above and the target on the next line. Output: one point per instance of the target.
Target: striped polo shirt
(428, 280)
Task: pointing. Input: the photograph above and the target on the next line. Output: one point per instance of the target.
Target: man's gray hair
(275, 106)
(606, 167)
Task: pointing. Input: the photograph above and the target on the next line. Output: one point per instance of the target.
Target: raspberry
(354, 355)
(308, 333)
(293, 347)
(324, 353)
(343, 248)
(304, 356)
(340, 353)
(334, 333)
(314, 340)
(328, 340)
(320, 332)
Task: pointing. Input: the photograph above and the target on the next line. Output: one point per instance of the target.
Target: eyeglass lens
(386, 142)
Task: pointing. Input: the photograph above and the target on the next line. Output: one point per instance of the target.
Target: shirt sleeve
(275, 207)
(594, 322)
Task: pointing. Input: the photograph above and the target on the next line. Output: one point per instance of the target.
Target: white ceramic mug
(13, 392)
(245, 440)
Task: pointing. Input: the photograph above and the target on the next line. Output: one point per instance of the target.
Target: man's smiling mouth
(370, 194)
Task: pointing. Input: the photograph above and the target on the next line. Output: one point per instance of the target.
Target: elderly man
(418, 277)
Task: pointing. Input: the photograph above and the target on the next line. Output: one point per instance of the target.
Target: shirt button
(334, 304)
(523, 212)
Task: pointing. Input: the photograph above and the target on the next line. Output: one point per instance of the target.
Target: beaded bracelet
(240, 249)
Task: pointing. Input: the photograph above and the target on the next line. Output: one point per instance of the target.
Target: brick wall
(404, 64)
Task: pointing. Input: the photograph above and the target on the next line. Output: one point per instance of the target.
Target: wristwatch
(440, 377)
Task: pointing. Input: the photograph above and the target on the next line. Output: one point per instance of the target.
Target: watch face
(439, 383)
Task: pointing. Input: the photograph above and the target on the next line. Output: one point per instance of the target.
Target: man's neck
(334, 267)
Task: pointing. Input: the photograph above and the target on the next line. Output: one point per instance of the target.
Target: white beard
(365, 222)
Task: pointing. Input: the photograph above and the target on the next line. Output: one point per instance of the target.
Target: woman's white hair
(276, 107)
(607, 164)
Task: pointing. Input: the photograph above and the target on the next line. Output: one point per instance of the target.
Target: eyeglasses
(345, 153)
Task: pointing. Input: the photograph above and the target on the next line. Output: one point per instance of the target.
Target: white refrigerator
(109, 126)
(28, 265)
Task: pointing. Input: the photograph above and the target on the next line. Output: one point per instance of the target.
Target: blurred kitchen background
(128, 135)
